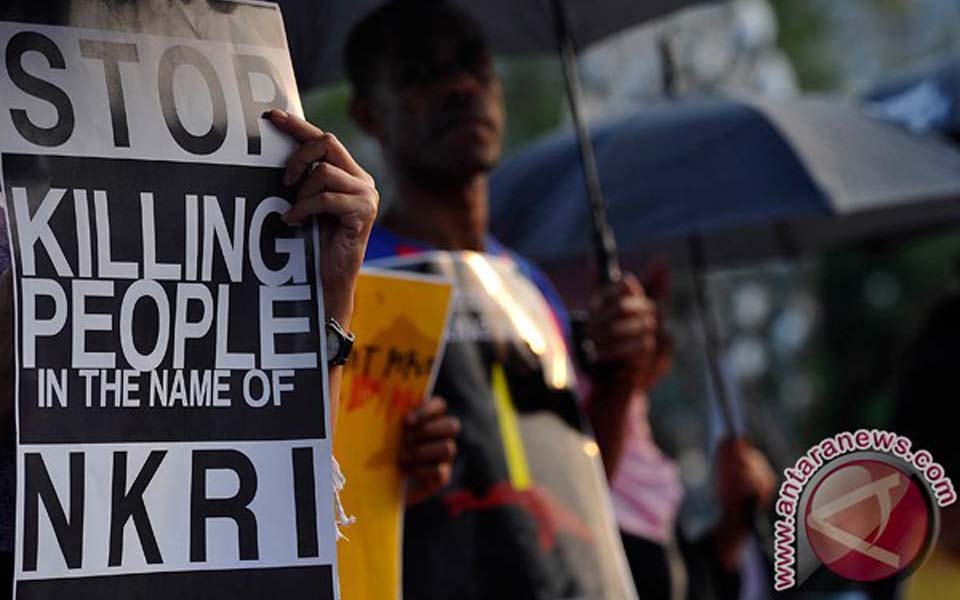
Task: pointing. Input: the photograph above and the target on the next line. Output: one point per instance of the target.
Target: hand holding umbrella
(745, 483)
(629, 351)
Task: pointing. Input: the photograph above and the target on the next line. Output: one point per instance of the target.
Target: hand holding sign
(334, 186)
(428, 448)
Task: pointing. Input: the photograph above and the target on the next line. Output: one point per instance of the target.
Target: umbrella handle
(604, 241)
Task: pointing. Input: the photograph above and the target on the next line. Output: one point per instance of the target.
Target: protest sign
(400, 322)
(170, 377)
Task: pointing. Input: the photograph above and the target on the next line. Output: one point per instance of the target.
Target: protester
(928, 374)
(330, 185)
(425, 89)
(647, 492)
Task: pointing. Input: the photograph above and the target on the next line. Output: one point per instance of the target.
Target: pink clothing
(646, 489)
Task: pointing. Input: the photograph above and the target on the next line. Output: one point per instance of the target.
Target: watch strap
(345, 339)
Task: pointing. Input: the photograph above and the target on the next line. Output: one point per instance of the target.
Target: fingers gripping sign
(428, 449)
(337, 190)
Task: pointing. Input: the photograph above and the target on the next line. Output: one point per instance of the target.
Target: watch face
(333, 344)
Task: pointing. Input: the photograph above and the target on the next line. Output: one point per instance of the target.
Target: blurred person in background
(425, 88)
(647, 493)
(928, 381)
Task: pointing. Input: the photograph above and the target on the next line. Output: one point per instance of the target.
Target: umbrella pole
(753, 514)
(605, 244)
(711, 335)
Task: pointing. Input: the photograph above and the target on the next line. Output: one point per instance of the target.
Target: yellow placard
(399, 321)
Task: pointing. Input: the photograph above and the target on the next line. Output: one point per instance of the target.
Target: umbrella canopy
(818, 169)
(317, 31)
(928, 100)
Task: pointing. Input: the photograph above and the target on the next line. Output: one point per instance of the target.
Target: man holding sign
(526, 512)
(178, 318)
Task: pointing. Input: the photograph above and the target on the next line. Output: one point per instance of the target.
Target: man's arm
(624, 328)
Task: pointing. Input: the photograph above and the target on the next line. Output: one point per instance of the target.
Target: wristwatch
(339, 342)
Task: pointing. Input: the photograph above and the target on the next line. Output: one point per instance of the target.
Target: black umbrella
(728, 181)
(318, 31)
(752, 179)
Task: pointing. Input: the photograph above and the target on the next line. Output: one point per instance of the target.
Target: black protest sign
(171, 403)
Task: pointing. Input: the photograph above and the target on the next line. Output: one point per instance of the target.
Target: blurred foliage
(534, 96)
(803, 29)
(327, 107)
(841, 46)
(874, 297)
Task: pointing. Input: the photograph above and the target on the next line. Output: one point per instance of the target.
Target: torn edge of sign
(340, 517)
